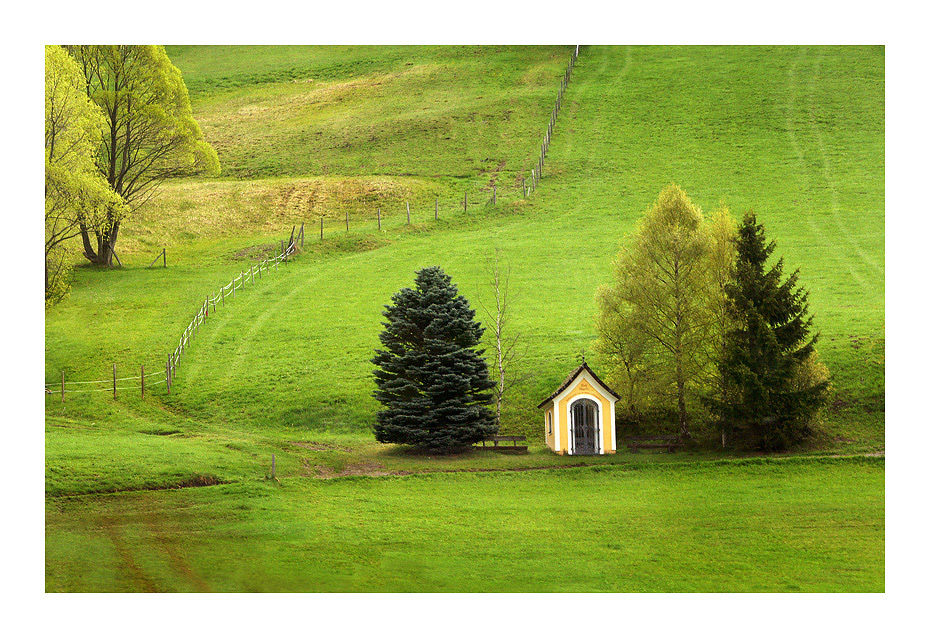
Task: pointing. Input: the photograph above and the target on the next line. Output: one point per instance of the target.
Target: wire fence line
(537, 170)
(166, 375)
(423, 209)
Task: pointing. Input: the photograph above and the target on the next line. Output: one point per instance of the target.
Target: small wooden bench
(668, 441)
(513, 447)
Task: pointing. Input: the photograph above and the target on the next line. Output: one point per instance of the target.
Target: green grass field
(744, 526)
(794, 133)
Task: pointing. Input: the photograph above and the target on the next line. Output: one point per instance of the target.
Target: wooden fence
(164, 374)
(537, 171)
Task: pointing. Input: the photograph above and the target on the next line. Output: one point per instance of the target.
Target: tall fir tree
(765, 390)
(431, 377)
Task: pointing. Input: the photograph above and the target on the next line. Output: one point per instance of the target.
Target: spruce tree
(431, 378)
(767, 350)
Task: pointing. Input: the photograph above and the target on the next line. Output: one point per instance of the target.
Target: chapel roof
(571, 377)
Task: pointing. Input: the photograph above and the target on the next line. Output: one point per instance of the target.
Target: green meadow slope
(795, 134)
(304, 133)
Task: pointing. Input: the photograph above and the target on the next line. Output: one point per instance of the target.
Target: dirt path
(374, 469)
(139, 579)
(162, 538)
(168, 542)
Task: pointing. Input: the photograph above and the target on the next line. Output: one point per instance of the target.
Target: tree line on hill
(695, 318)
(118, 122)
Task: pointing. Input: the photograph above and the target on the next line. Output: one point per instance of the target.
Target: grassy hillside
(788, 132)
(304, 133)
(452, 113)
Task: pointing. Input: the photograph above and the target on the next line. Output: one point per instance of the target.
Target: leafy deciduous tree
(720, 230)
(150, 133)
(653, 319)
(431, 378)
(74, 188)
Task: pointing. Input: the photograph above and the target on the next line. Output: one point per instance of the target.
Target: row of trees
(118, 122)
(695, 318)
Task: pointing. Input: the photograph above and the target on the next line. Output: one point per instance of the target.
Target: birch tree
(506, 345)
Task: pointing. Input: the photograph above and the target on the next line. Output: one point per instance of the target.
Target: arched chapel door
(584, 426)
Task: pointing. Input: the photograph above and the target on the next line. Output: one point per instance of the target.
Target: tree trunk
(106, 243)
(500, 380)
(109, 245)
(88, 250)
(682, 411)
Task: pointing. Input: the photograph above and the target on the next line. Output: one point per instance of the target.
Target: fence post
(321, 229)
(223, 294)
(347, 221)
(466, 201)
(523, 183)
(436, 215)
(62, 386)
(408, 212)
(494, 195)
(301, 234)
(143, 380)
(272, 465)
(164, 257)
(168, 375)
(379, 218)
(114, 380)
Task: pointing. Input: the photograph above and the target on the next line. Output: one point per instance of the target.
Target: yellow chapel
(579, 415)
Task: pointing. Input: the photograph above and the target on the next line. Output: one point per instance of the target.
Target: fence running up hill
(536, 171)
(166, 375)
(523, 184)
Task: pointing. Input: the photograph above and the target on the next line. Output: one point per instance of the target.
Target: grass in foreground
(814, 526)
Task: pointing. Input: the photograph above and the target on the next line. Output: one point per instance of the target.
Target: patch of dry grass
(182, 211)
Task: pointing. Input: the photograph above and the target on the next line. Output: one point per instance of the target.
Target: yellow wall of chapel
(583, 387)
